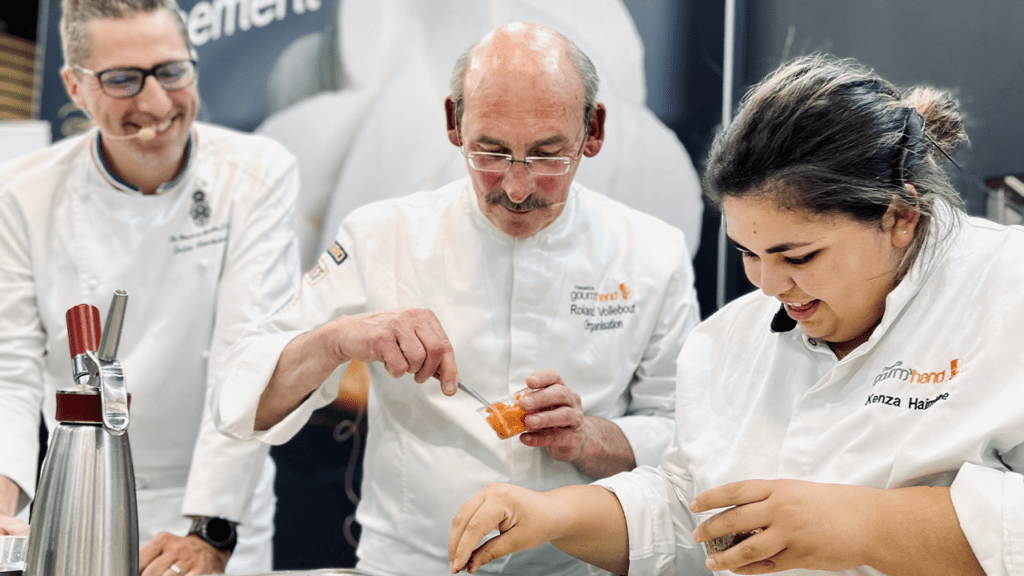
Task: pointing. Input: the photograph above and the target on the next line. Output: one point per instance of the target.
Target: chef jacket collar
(944, 232)
(126, 187)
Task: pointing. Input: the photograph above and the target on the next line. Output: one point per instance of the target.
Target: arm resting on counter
(166, 549)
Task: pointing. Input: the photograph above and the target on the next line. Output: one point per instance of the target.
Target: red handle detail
(83, 328)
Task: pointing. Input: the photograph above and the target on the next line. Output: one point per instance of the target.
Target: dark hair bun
(944, 122)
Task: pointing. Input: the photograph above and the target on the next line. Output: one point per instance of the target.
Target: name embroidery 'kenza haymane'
(901, 373)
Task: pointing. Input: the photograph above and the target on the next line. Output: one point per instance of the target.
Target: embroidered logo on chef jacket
(915, 400)
(337, 253)
(907, 374)
(200, 211)
(602, 310)
(189, 241)
(317, 272)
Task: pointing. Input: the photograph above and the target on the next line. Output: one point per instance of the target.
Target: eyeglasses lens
(501, 163)
(127, 82)
(549, 166)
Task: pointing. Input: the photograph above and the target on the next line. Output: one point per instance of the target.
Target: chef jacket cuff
(990, 507)
(648, 436)
(239, 395)
(648, 520)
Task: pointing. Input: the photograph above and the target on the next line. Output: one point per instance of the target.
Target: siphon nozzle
(112, 329)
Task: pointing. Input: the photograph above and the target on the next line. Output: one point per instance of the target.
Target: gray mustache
(530, 203)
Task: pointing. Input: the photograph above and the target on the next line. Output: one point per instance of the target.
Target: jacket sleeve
(990, 506)
(658, 523)
(649, 422)
(22, 348)
(332, 287)
(259, 275)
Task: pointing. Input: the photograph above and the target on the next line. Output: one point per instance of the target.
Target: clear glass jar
(505, 416)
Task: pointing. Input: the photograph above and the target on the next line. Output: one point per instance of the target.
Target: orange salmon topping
(506, 420)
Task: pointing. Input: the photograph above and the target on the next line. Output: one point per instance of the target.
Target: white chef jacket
(210, 252)
(604, 295)
(932, 398)
(354, 143)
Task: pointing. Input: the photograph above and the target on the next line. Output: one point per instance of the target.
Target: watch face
(216, 532)
(219, 530)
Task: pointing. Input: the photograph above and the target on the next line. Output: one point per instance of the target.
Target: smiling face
(524, 97)
(143, 40)
(833, 273)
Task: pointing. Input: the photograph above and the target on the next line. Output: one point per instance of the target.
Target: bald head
(520, 98)
(524, 57)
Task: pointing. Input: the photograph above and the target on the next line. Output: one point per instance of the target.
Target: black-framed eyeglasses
(127, 82)
(539, 165)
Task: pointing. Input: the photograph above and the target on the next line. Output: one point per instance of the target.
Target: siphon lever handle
(113, 392)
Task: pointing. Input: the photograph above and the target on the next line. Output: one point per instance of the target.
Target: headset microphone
(144, 134)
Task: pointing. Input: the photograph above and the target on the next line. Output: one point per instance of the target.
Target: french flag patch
(337, 253)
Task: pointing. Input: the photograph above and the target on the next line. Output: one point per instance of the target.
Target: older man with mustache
(527, 278)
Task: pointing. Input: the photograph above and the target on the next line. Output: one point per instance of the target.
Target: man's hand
(9, 494)
(11, 526)
(407, 341)
(555, 421)
(188, 554)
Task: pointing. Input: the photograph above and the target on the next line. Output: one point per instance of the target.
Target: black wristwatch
(216, 532)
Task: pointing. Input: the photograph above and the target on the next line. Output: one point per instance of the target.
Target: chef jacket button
(203, 263)
(812, 341)
(140, 484)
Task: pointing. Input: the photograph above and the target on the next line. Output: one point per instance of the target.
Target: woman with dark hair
(860, 414)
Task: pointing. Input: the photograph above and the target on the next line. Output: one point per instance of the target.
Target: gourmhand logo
(907, 374)
(902, 373)
(608, 309)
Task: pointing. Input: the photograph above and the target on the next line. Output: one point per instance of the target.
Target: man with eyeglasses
(195, 223)
(523, 277)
